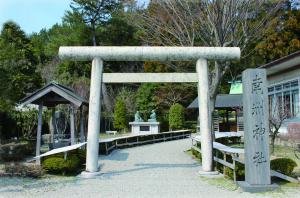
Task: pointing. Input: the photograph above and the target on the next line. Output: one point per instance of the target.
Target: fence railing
(234, 153)
(107, 145)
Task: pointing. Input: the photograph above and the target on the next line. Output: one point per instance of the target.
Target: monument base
(246, 187)
(143, 128)
(89, 175)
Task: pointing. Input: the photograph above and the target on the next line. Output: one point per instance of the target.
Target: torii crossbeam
(111, 53)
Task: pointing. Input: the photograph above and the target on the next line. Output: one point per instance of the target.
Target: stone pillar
(94, 117)
(82, 139)
(256, 126)
(204, 115)
(39, 134)
(72, 124)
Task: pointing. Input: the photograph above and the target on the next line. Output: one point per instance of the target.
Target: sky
(33, 15)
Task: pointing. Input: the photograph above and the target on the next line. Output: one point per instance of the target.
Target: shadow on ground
(116, 155)
(141, 167)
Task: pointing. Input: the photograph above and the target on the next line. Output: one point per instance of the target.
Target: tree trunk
(211, 109)
(215, 82)
(106, 100)
(273, 143)
(94, 34)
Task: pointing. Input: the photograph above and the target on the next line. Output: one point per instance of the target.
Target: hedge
(283, 165)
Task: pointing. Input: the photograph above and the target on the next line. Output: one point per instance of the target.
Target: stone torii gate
(99, 54)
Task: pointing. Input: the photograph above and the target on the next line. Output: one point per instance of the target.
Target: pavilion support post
(52, 131)
(204, 115)
(82, 138)
(72, 125)
(39, 134)
(94, 119)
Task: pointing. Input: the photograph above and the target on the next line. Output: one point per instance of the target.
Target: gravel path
(158, 170)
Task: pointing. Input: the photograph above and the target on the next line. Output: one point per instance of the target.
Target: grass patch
(220, 182)
(285, 184)
(285, 188)
(287, 152)
(190, 153)
(280, 152)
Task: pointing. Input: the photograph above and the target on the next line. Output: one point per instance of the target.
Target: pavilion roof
(223, 101)
(53, 94)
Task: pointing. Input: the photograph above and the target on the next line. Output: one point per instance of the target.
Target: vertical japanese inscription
(257, 164)
(257, 85)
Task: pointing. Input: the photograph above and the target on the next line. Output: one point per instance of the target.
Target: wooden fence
(234, 153)
(108, 145)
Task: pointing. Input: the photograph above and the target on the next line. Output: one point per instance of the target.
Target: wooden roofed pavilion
(50, 96)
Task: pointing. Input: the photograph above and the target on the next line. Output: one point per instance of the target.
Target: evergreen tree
(17, 65)
(282, 37)
(120, 115)
(18, 74)
(176, 117)
(146, 100)
(94, 12)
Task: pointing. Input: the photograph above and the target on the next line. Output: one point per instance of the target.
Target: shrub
(283, 165)
(120, 115)
(191, 125)
(73, 164)
(23, 170)
(26, 121)
(176, 116)
(80, 153)
(163, 119)
(56, 164)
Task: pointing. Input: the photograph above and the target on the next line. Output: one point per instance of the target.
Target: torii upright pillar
(94, 118)
(205, 117)
(111, 53)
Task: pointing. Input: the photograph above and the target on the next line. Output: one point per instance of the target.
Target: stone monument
(255, 108)
(152, 117)
(137, 117)
(139, 127)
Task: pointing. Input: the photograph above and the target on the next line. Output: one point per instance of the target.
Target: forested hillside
(264, 30)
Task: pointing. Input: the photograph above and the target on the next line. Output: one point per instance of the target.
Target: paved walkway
(159, 170)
